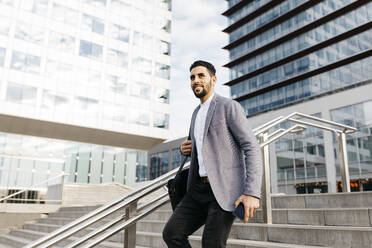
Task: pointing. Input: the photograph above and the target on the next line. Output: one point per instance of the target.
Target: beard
(200, 94)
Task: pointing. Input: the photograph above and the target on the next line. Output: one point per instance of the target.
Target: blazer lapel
(192, 126)
(210, 113)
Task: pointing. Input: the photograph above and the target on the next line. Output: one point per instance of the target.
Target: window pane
(161, 120)
(38, 7)
(120, 7)
(53, 99)
(97, 3)
(21, 94)
(115, 84)
(142, 65)
(64, 14)
(139, 116)
(2, 56)
(119, 32)
(140, 90)
(164, 47)
(90, 49)
(162, 95)
(162, 70)
(28, 32)
(4, 25)
(118, 58)
(93, 24)
(61, 42)
(24, 62)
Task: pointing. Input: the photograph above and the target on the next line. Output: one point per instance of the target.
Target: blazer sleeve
(247, 142)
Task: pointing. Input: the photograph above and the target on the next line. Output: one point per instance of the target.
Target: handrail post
(344, 163)
(266, 194)
(130, 232)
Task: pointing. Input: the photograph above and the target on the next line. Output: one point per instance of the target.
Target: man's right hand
(186, 148)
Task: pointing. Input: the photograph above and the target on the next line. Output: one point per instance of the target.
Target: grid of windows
(79, 62)
(248, 80)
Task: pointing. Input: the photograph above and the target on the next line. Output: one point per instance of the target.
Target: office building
(312, 57)
(84, 88)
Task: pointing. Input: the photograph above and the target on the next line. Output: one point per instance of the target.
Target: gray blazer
(232, 157)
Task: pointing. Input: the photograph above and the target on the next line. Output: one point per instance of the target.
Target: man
(225, 169)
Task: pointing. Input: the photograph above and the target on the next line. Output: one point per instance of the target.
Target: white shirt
(199, 128)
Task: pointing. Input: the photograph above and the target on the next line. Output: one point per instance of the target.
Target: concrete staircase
(319, 220)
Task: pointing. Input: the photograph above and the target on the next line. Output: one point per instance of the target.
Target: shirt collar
(208, 101)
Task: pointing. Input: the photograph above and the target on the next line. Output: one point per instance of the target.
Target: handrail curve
(114, 226)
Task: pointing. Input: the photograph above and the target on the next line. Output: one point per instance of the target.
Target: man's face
(201, 81)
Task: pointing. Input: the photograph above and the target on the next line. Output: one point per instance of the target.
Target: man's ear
(214, 79)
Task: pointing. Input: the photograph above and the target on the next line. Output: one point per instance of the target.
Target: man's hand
(186, 147)
(250, 205)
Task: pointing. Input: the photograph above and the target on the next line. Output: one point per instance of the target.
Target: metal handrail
(126, 224)
(114, 226)
(24, 190)
(96, 215)
(276, 121)
(113, 222)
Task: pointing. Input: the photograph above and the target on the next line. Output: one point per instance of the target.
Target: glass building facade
(293, 50)
(286, 53)
(95, 64)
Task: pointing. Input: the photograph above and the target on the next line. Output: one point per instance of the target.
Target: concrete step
(48, 228)
(78, 208)
(284, 233)
(155, 240)
(326, 200)
(75, 215)
(23, 237)
(64, 221)
(311, 216)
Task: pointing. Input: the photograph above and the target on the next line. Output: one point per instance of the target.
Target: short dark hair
(209, 66)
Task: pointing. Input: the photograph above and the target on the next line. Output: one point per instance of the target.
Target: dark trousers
(198, 207)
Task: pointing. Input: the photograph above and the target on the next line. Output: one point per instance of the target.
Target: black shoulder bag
(177, 186)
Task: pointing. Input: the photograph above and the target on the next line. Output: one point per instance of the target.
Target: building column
(330, 162)
(130, 172)
(273, 169)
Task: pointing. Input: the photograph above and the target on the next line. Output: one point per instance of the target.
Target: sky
(196, 34)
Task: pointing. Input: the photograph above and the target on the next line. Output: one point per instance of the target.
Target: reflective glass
(2, 56)
(118, 58)
(115, 84)
(90, 49)
(164, 47)
(25, 62)
(64, 14)
(315, 85)
(161, 120)
(119, 32)
(39, 7)
(143, 65)
(162, 70)
(52, 99)
(61, 42)
(120, 7)
(21, 94)
(302, 64)
(5, 23)
(165, 4)
(139, 116)
(29, 33)
(140, 90)
(162, 95)
(93, 24)
(97, 3)
(87, 105)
